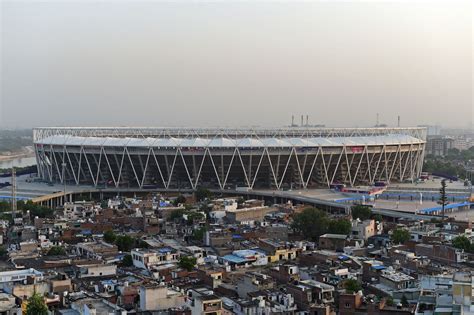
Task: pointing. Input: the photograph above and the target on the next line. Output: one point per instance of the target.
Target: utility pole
(14, 204)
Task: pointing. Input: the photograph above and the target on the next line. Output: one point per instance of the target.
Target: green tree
(109, 236)
(176, 214)
(462, 242)
(36, 305)
(311, 222)
(352, 286)
(400, 236)
(198, 234)
(127, 261)
(389, 301)
(361, 212)
(203, 194)
(443, 198)
(180, 200)
(56, 251)
(3, 252)
(404, 301)
(187, 262)
(124, 242)
(341, 226)
(194, 217)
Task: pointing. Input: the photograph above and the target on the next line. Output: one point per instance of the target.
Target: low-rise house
(362, 230)
(309, 292)
(203, 302)
(89, 306)
(244, 258)
(96, 250)
(96, 270)
(155, 297)
(278, 250)
(252, 282)
(147, 258)
(335, 242)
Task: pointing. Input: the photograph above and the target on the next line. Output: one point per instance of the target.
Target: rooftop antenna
(301, 120)
(14, 204)
(307, 118)
(292, 120)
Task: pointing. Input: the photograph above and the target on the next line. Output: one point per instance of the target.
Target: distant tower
(377, 121)
(14, 205)
(301, 120)
(307, 120)
(398, 121)
(292, 120)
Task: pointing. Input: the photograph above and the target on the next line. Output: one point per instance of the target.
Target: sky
(236, 63)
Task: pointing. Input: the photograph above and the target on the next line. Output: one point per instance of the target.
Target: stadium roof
(224, 142)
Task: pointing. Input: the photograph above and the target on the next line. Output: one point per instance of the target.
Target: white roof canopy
(224, 142)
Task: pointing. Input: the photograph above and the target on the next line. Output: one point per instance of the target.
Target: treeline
(14, 140)
(453, 164)
(34, 209)
(125, 243)
(312, 223)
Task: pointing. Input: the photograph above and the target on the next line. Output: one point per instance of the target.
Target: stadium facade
(171, 158)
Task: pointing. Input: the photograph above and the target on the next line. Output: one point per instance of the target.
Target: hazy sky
(227, 63)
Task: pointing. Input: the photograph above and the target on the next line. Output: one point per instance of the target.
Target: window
(347, 305)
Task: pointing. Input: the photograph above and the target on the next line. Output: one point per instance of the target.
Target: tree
(443, 198)
(127, 261)
(124, 242)
(352, 286)
(36, 305)
(404, 301)
(341, 226)
(198, 235)
(109, 236)
(194, 216)
(56, 251)
(389, 301)
(202, 194)
(187, 262)
(3, 252)
(176, 214)
(361, 212)
(312, 223)
(462, 242)
(179, 200)
(400, 236)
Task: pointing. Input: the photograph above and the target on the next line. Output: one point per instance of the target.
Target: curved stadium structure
(169, 158)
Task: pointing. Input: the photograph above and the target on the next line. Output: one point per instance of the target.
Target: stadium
(185, 158)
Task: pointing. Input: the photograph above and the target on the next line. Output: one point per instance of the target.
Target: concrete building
(90, 306)
(439, 145)
(155, 297)
(248, 215)
(203, 302)
(96, 250)
(147, 258)
(335, 242)
(362, 230)
(226, 158)
(96, 270)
